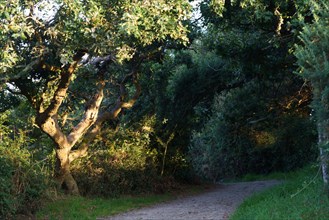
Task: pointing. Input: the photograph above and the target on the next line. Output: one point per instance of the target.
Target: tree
(253, 63)
(67, 57)
(312, 54)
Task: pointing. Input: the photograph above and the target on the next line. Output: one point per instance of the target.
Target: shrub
(120, 164)
(23, 182)
(229, 146)
(294, 146)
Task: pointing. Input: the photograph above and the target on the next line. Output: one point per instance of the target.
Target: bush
(221, 149)
(229, 146)
(23, 182)
(120, 164)
(294, 145)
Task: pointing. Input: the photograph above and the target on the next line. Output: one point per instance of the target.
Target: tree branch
(90, 116)
(108, 115)
(60, 93)
(47, 120)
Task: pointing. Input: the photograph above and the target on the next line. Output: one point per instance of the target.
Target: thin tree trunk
(324, 155)
(165, 146)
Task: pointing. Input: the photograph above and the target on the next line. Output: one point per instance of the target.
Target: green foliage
(122, 163)
(61, 28)
(7, 101)
(313, 58)
(295, 144)
(254, 124)
(232, 144)
(23, 181)
(216, 149)
(314, 66)
(149, 20)
(300, 197)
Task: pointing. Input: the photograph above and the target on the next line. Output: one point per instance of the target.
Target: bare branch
(108, 115)
(51, 127)
(132, 101)
(51, 68)
(47, 120)
(61, 91)
(90, 116)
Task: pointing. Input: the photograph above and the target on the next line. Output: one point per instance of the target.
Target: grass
(300, 197)
(77, 207)
(91, 208)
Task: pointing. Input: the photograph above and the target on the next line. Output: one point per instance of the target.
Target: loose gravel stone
(217, 204)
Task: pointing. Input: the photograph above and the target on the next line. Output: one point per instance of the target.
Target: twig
(302, 189)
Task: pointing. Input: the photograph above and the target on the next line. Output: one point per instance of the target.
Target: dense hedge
(229, 146)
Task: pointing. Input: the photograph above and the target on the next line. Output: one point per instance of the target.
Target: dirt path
(216, 204)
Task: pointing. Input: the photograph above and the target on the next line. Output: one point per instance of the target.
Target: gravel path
(216, 204)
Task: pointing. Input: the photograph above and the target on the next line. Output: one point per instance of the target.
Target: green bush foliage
(123, 163)
(231, 145)
(23, 181)
(294, 145)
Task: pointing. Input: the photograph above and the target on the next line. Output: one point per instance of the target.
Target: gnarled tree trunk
(90, 124)
(63, 174)
(48, 123)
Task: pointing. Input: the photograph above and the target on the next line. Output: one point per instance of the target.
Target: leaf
(7, 16)
(23, 36)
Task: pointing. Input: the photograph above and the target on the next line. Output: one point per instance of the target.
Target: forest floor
(217, 203)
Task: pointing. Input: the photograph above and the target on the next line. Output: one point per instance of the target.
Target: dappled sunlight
(263, 138)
